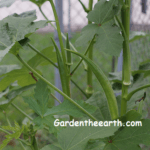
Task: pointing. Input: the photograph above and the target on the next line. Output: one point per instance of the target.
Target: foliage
(17, 132)
(105, 32)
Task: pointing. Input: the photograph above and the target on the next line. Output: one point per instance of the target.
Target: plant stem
(80, 89)
(125, 26)
(59, 31)
(56, 98)
(55, 88)
(33, 48)
(64, 37)
(84, 7)
(22, 145)
(89, 47)
(89, 89)
(69, 63)
(136, 90)
(21, 111)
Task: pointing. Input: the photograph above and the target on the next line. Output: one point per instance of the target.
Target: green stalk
(65, 83)
(80, 89)
(125, 25)
(64, 37)
(83, 6)
(33, 48)
(69, 63)
(22, 145)
(88, 48)
(55, 88)
(21, 111)
(89, 89)
(136, 90)
(62, 70)
(58, 31)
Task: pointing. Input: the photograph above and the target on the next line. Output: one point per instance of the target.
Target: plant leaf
(7, 68)
(103, 11)
(21, 75)
(144, 67)
(38, 3)
(15, 135)
(106, 33)
(51, 147)
(46, 121)
(15, 28)
(67, 108)
(132, 135)
(12, 95)
(33, 105)
(76, 138)
(99, 100)
(95, 145)
(136, 35)
(42, 95)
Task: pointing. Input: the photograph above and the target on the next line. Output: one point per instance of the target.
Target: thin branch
(84, 7)
(136, 90)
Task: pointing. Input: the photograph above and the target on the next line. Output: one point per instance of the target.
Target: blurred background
(73, 19)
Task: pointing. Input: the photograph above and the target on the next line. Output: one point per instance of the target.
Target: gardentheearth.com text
(88, 122)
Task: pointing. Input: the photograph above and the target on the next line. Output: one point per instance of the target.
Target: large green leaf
(99, 15)
(67, 108)
(108, 37)
(130, 137)
(99, 100)
(76, 138)
(136, 35)
(15, 28)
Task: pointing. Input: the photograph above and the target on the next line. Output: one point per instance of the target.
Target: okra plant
(108, 30)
